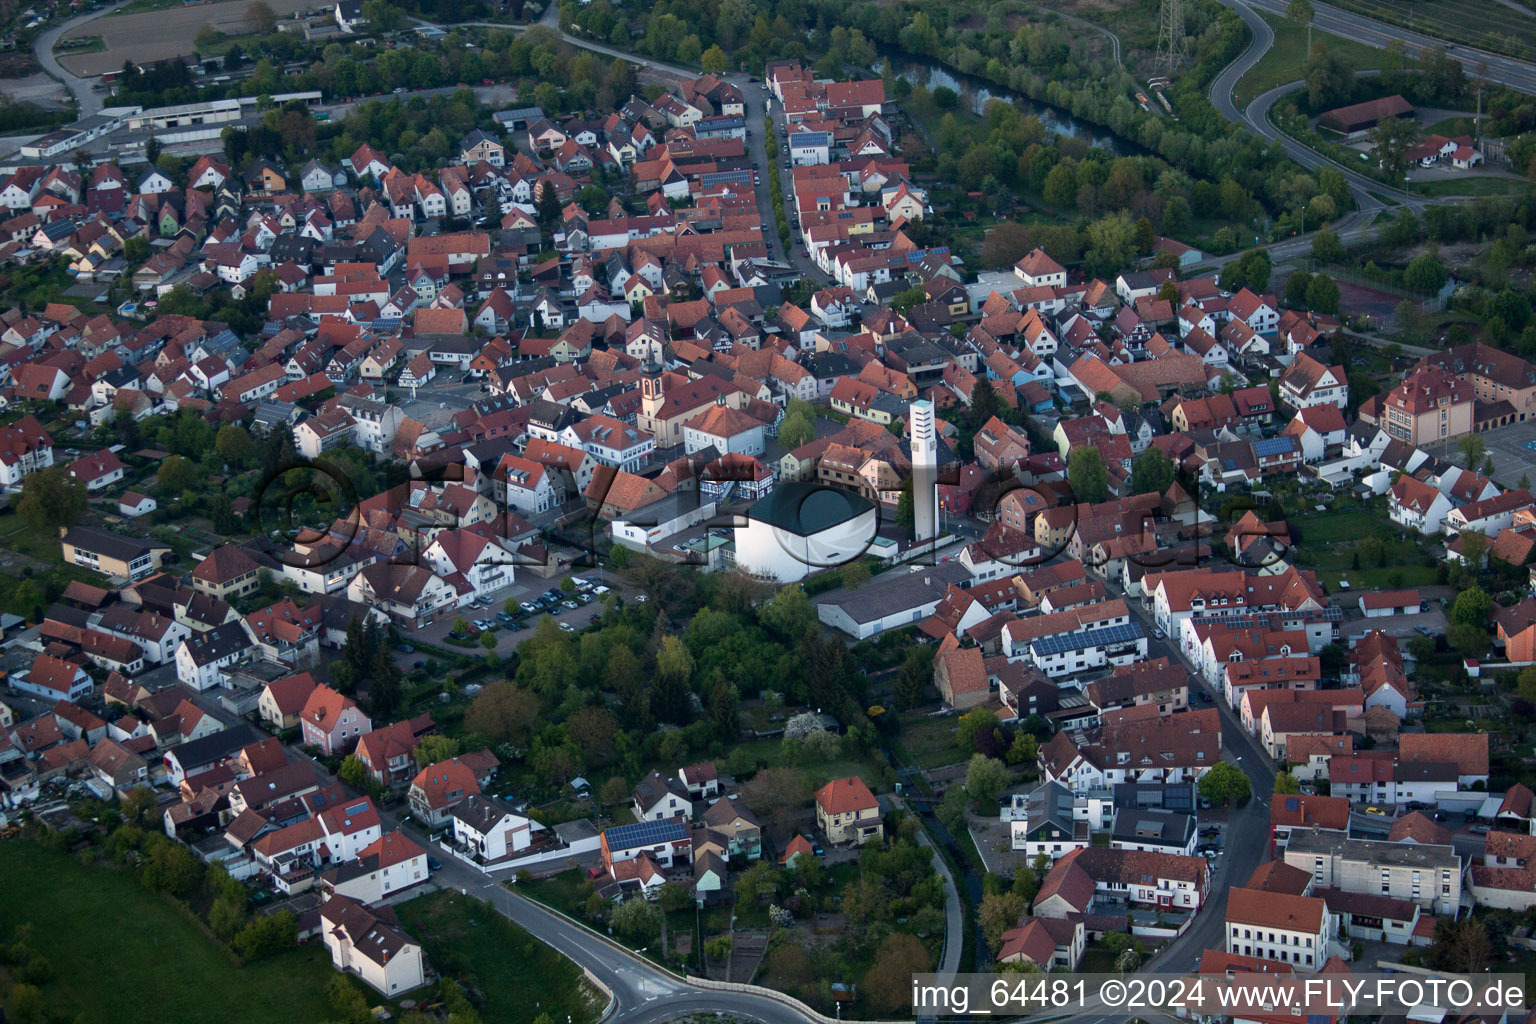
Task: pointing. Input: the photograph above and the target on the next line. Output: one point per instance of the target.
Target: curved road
(642, 992)
(1517, 74)
(87, 100)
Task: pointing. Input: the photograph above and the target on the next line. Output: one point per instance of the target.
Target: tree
(951, 810)
(1128, 960)
(1152, 472)
(776, 793)
(1296, 289)
(176, 475)
(1425, 274)
(999, 912)
(502, 712)
(1285, 782)
(614, 791)
(51, 498)
(795, 430)
(1328, 75)
(1085, 472)
(1471, 608)
(234, 445)
(353, 772)
(888, 985)
(1391, 140)
(1468, 639)
(1323, 294)
(259, 17)
(854, 575)
(1326, 247)
(712, 60)
(1224, 783)
(433, 749)
(985, 778)
(1474, 548)
(972, 726)
(1472, 450)
(1024, 749)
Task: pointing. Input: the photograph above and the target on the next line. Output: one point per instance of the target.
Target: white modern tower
(925, 470)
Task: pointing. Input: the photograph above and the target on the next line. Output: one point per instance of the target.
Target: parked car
(600, 591)
(1479, 829)
(569, 605)
(514, 626)
(1376, 811)
(504, 616)
(529, 607)
(567, 627)
(406, 649)
(579, 583)
(585, 598)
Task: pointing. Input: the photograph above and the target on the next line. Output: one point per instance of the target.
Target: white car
(580, 583)
(600, 591)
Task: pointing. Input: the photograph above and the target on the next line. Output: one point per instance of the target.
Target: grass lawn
(770, 753)
(1471, 186)
(1393, 576)
(1283, 63)
(117, 949)
(931, 741)
(472, 943)
(1330, 527)
(560, 891)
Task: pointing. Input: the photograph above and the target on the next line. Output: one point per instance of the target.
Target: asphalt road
(88, 100)
(643, 993)
(1517, 74)
(1247, 833)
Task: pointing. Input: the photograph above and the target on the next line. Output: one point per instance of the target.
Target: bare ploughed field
(151, 36)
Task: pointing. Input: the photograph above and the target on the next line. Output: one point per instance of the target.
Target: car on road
(433, 864)
(1205, 698)
(567, 627)
(1158, 633)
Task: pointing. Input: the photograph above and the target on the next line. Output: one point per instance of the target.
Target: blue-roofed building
(667, 842)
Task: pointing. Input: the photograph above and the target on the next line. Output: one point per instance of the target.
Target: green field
(518, 976)
(1471, 186)
(118, 952)
(1331, 527)
(1285, 59)
(930, 742)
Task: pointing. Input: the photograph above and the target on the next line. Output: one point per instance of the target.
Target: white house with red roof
(97, 470)
(438, 788)
(391, 863)
(53, 679)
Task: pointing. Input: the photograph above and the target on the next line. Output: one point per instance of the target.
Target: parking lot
(1510, 448)
(509, 630)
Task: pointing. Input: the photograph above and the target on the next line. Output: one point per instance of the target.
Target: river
(975, 93)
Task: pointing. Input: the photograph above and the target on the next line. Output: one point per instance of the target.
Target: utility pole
(1172, 48)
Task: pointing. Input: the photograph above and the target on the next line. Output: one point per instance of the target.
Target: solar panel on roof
(1049, 645)
(1272, 446)
(645, 833)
